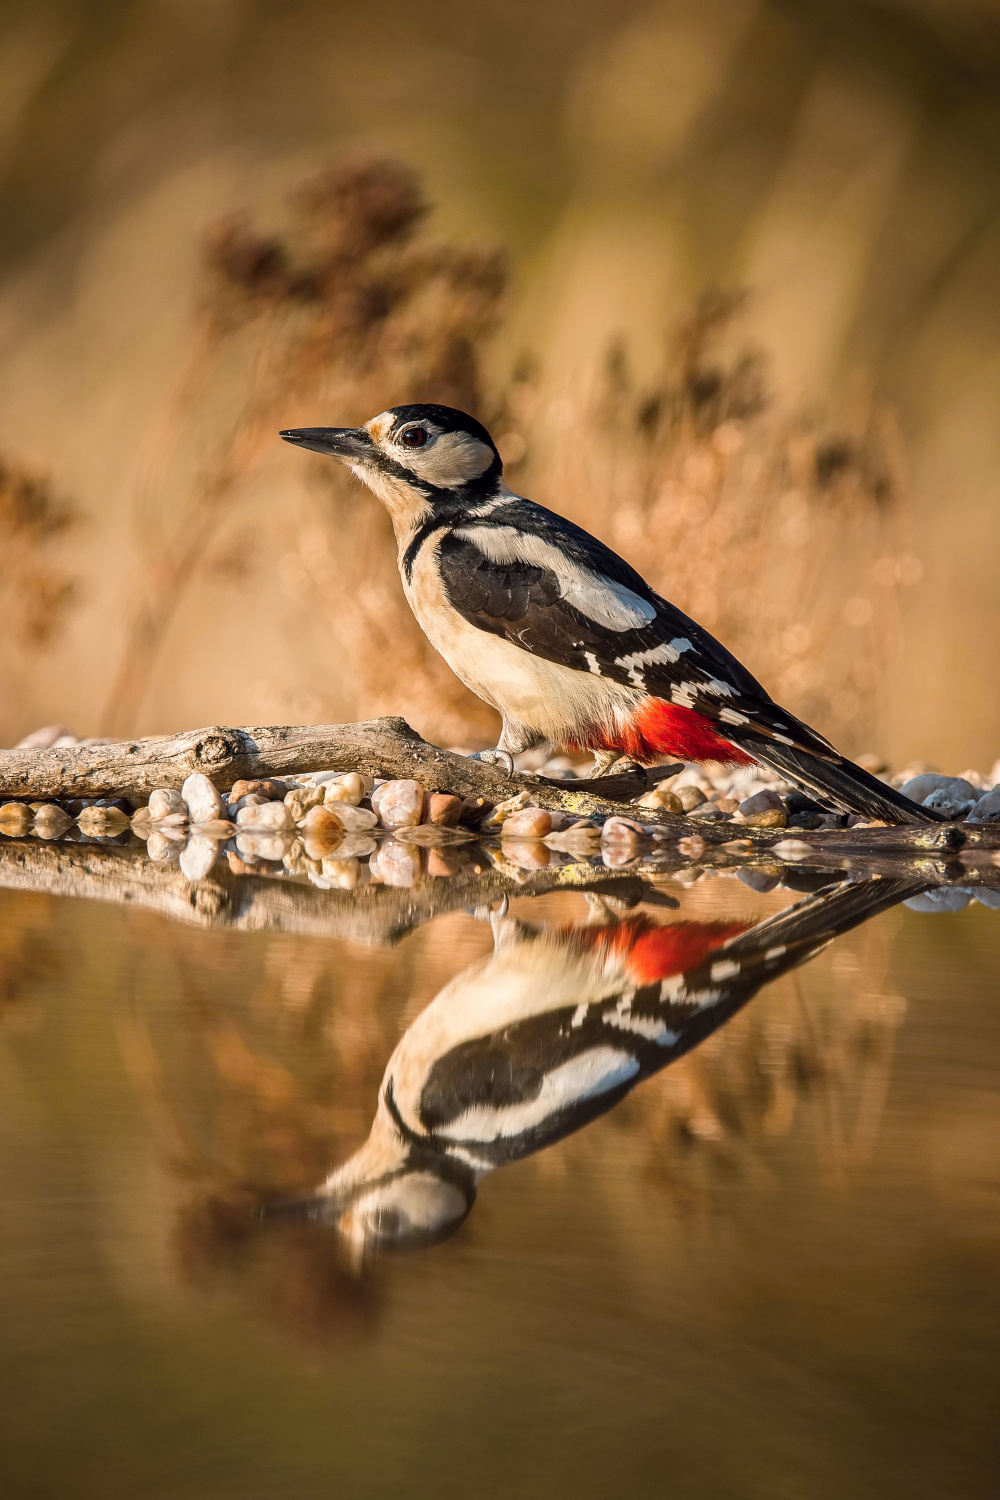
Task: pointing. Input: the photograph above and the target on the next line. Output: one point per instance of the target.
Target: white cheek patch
(609, 604)
(451, 460)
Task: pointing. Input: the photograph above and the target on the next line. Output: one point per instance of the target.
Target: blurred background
(722, 277)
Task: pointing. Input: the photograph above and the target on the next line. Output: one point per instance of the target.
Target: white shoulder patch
(606, 603)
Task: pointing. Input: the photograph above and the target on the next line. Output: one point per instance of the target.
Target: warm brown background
(839, 161)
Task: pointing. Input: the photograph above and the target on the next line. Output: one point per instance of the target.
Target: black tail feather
(839, 781)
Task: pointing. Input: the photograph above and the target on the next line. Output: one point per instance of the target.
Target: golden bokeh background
(721, 274)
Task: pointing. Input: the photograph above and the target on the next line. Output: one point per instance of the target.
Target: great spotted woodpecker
(543, 1036)
(557, 632)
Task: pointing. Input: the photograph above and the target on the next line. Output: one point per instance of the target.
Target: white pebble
(348, 788)
(165, 801)
(201, 799)
(987, 809)
(400, 804)
(353, 819)
(198, 857)
(266, 815)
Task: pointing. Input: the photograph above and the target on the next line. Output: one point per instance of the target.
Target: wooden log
(390, 748)
(377, 747)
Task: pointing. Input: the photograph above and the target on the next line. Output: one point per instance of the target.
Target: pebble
(268, 787)
(692, 847)
(197, 857)
(709, 812)
(690, 797)
(443, 809)
(166, 800)
(503, 810)
(301, 799)
(919, 788)
(319, 820)
(763, 801)
(663, 798)
(396, 863)
(954, 798)
(771, 818)
(269, 815)
(400, 804)
(46, 738)
(987, 809)
(354, 819)
(528, 823)
(201, 799)
(474, 809)
(348, 788)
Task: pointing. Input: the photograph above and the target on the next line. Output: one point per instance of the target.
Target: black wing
(546, 585)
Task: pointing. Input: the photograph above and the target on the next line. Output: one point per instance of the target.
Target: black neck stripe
(425, 530)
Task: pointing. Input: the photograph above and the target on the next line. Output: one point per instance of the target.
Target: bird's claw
(495, 758)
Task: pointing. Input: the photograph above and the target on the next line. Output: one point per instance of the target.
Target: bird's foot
(606, 761)
(495, 758)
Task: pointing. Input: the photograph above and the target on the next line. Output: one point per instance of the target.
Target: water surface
(764, 1266)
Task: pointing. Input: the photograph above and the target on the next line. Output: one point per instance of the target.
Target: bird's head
(417, 459)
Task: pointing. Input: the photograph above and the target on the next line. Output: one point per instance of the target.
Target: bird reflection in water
(550, 1031)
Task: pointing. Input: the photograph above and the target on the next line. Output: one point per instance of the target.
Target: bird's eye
(413, 437)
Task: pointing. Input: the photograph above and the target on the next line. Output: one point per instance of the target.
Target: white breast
(555, 701)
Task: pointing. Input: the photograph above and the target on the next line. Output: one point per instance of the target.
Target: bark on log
(377, 747)
(389, 747)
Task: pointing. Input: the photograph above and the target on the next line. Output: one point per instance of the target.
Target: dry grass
(349, 310)
(35, 592)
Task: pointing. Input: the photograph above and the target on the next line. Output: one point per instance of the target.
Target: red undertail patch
(659, 729)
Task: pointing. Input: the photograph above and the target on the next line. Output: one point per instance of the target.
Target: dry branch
(390, 748)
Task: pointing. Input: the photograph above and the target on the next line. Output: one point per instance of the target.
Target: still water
(591, 1198)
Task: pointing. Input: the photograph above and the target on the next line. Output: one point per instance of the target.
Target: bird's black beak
(350, 443)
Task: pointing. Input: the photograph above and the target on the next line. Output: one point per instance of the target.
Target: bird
(559, 634)
(548, 1032)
